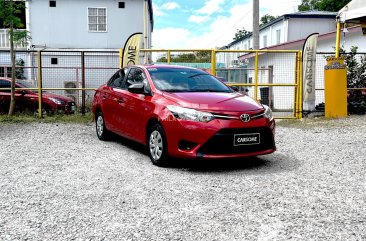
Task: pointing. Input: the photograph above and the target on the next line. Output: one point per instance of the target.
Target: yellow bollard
(335, 78)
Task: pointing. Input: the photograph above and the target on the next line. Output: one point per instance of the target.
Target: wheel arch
(151, 122)
(96, 110)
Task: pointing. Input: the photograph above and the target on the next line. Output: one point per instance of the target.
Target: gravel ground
(59, 182)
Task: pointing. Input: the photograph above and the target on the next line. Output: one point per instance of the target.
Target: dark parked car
(27, 100)
(182, 112)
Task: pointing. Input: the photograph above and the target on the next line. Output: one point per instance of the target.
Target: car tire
(45, 112)
(101, 130)
(157, 145)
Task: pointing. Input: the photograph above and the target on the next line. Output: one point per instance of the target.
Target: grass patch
(27, 118)
(313, 122)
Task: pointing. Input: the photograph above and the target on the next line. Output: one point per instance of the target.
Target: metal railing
(5, 40)
(272, 77)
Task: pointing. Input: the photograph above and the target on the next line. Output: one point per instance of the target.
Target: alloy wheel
(100, 125)
(156, 145)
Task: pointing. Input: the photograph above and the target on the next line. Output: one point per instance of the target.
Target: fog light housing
(186, 145)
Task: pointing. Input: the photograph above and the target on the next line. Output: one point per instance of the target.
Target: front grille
(223, 142)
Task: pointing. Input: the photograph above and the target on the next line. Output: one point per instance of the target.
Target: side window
(5, 84)
(134, 76)
(117, 79)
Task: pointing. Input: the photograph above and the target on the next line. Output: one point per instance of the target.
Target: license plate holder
(247, 139)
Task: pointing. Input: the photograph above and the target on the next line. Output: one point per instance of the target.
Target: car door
(111, 102)
(4, 96)
(26, 100)
(136, 107)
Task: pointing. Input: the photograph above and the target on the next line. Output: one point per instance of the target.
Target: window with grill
(97, 19)
(5, 72)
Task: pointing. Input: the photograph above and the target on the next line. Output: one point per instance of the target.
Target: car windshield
(27, 85)
(186, 80)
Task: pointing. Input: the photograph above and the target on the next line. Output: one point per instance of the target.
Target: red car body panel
(128, 115)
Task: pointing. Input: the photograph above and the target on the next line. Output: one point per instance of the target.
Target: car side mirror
(138, 88)
(235, 88)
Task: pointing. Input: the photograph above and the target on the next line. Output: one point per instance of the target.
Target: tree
(8, 11)
(19, 72)
(196, 57)
(266, 19)
(240, 33)
(322, 5)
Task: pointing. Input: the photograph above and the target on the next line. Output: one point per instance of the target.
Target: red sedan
(182, 112)
(27, 100)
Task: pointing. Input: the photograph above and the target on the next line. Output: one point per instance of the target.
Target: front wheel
(157, 145)
(102, 132)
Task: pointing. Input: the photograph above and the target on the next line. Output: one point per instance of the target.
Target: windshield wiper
(175, 90)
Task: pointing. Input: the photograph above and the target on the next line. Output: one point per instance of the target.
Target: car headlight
(56, 101)
(190, 114)
(268, 112)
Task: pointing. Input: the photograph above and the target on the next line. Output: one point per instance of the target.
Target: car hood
(214, 101)
(59, 97)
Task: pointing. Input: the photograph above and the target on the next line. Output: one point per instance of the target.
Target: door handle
(104, 97)
(120, 101)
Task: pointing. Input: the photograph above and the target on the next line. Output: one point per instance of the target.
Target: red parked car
(182, 112)
(27, 100)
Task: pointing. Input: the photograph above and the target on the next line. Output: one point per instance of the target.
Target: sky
(194, 24)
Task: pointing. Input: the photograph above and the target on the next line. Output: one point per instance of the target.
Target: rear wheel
(101, 130)
(157, 145)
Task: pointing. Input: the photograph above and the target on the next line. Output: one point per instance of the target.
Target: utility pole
(255, 24)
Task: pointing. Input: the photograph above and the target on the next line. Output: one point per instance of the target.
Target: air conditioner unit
(71, 93)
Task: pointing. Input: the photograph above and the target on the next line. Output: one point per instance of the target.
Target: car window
(136, 75)
(186, 80)
(5, 84)
(117, 79)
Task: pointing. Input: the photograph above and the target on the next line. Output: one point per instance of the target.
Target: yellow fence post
(299, 84)
(213, 62)
(120, 57)
(296, 96)
(39, 84)
(338, 38)
(168, 57)
(256, 76)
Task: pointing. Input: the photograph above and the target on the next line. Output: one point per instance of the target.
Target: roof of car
(166, 66)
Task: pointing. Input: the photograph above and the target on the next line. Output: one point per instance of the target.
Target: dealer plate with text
(247, 139)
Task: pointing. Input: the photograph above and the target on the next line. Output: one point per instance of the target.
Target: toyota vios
(27, 100)
(182, 112)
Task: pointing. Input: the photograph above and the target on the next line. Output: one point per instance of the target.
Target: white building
(77, 25)
(289, 32)
(84, 24)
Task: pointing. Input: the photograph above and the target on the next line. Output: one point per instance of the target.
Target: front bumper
(215, 139)
(68, 108)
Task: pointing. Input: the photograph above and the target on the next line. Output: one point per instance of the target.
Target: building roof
(305, 14)
(299, 43)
